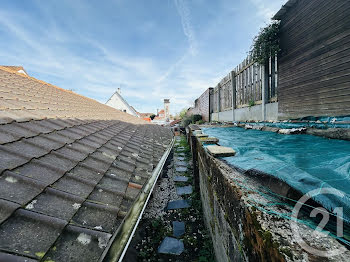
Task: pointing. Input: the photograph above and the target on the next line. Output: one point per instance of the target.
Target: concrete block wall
(202, 106)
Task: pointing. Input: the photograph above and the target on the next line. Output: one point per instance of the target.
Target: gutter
(121, 239)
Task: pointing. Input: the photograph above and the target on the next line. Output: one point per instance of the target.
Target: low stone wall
(240, 232)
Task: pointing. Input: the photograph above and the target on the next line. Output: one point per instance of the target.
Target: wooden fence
(243, 87)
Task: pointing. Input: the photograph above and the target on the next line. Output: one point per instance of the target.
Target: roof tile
(107, 196)
(78, 244)
(112, 182)
(10, 159)
(7, 208)
(40, 170)
(25, 189)
(29, 233)
(86, 172)
(13, 258)
(56, 203)
(97, 216)
(74, 185)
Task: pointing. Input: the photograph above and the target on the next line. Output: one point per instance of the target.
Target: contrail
(185, 15)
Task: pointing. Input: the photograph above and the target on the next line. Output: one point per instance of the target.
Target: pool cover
(304, 162)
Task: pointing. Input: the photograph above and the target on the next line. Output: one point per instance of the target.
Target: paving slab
(201, 135)
(171, 246)
(180, 154)
(180, 158)
(209, 140)
(178, 204)
(181, 163)
(180, 178)
(178, 228)
(220, 151)
(185, 190)
(181, 169)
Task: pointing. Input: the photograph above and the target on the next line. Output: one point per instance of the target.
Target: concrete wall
(202, 106)
(248, 113)
(235, 231)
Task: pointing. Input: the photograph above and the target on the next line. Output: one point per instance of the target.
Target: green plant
(251, 103)
(183, 113)
(196, 118)
(186, 121)
(266, 43)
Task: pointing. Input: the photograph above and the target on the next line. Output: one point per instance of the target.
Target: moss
(40, 254)
(287, 251)
(226, 217)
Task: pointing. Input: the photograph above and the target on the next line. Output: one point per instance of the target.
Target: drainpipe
(122, 237)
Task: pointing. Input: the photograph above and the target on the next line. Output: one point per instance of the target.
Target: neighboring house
(163, 116)
(71, 168)
(16, 69)
(118, 102)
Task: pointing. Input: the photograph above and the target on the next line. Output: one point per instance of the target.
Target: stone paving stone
(201, 135)
(180, 179)
(172, 246)
(177, 204)
(180, 169)
(180, 154)
(196, 132)
(185, 190)
(178, 228)
(181, 163)
(209, 140)
(222, 151)
(180, 158)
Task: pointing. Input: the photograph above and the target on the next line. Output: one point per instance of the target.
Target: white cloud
(267, 9)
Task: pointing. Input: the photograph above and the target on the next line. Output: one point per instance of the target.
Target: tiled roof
(15, 69)
(70, 169)
(25, 98)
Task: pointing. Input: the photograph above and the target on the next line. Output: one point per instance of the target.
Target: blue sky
(152, 49)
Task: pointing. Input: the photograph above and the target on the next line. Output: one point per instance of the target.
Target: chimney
(119, 91)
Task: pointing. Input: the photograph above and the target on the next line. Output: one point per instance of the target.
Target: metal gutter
(122, 237)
